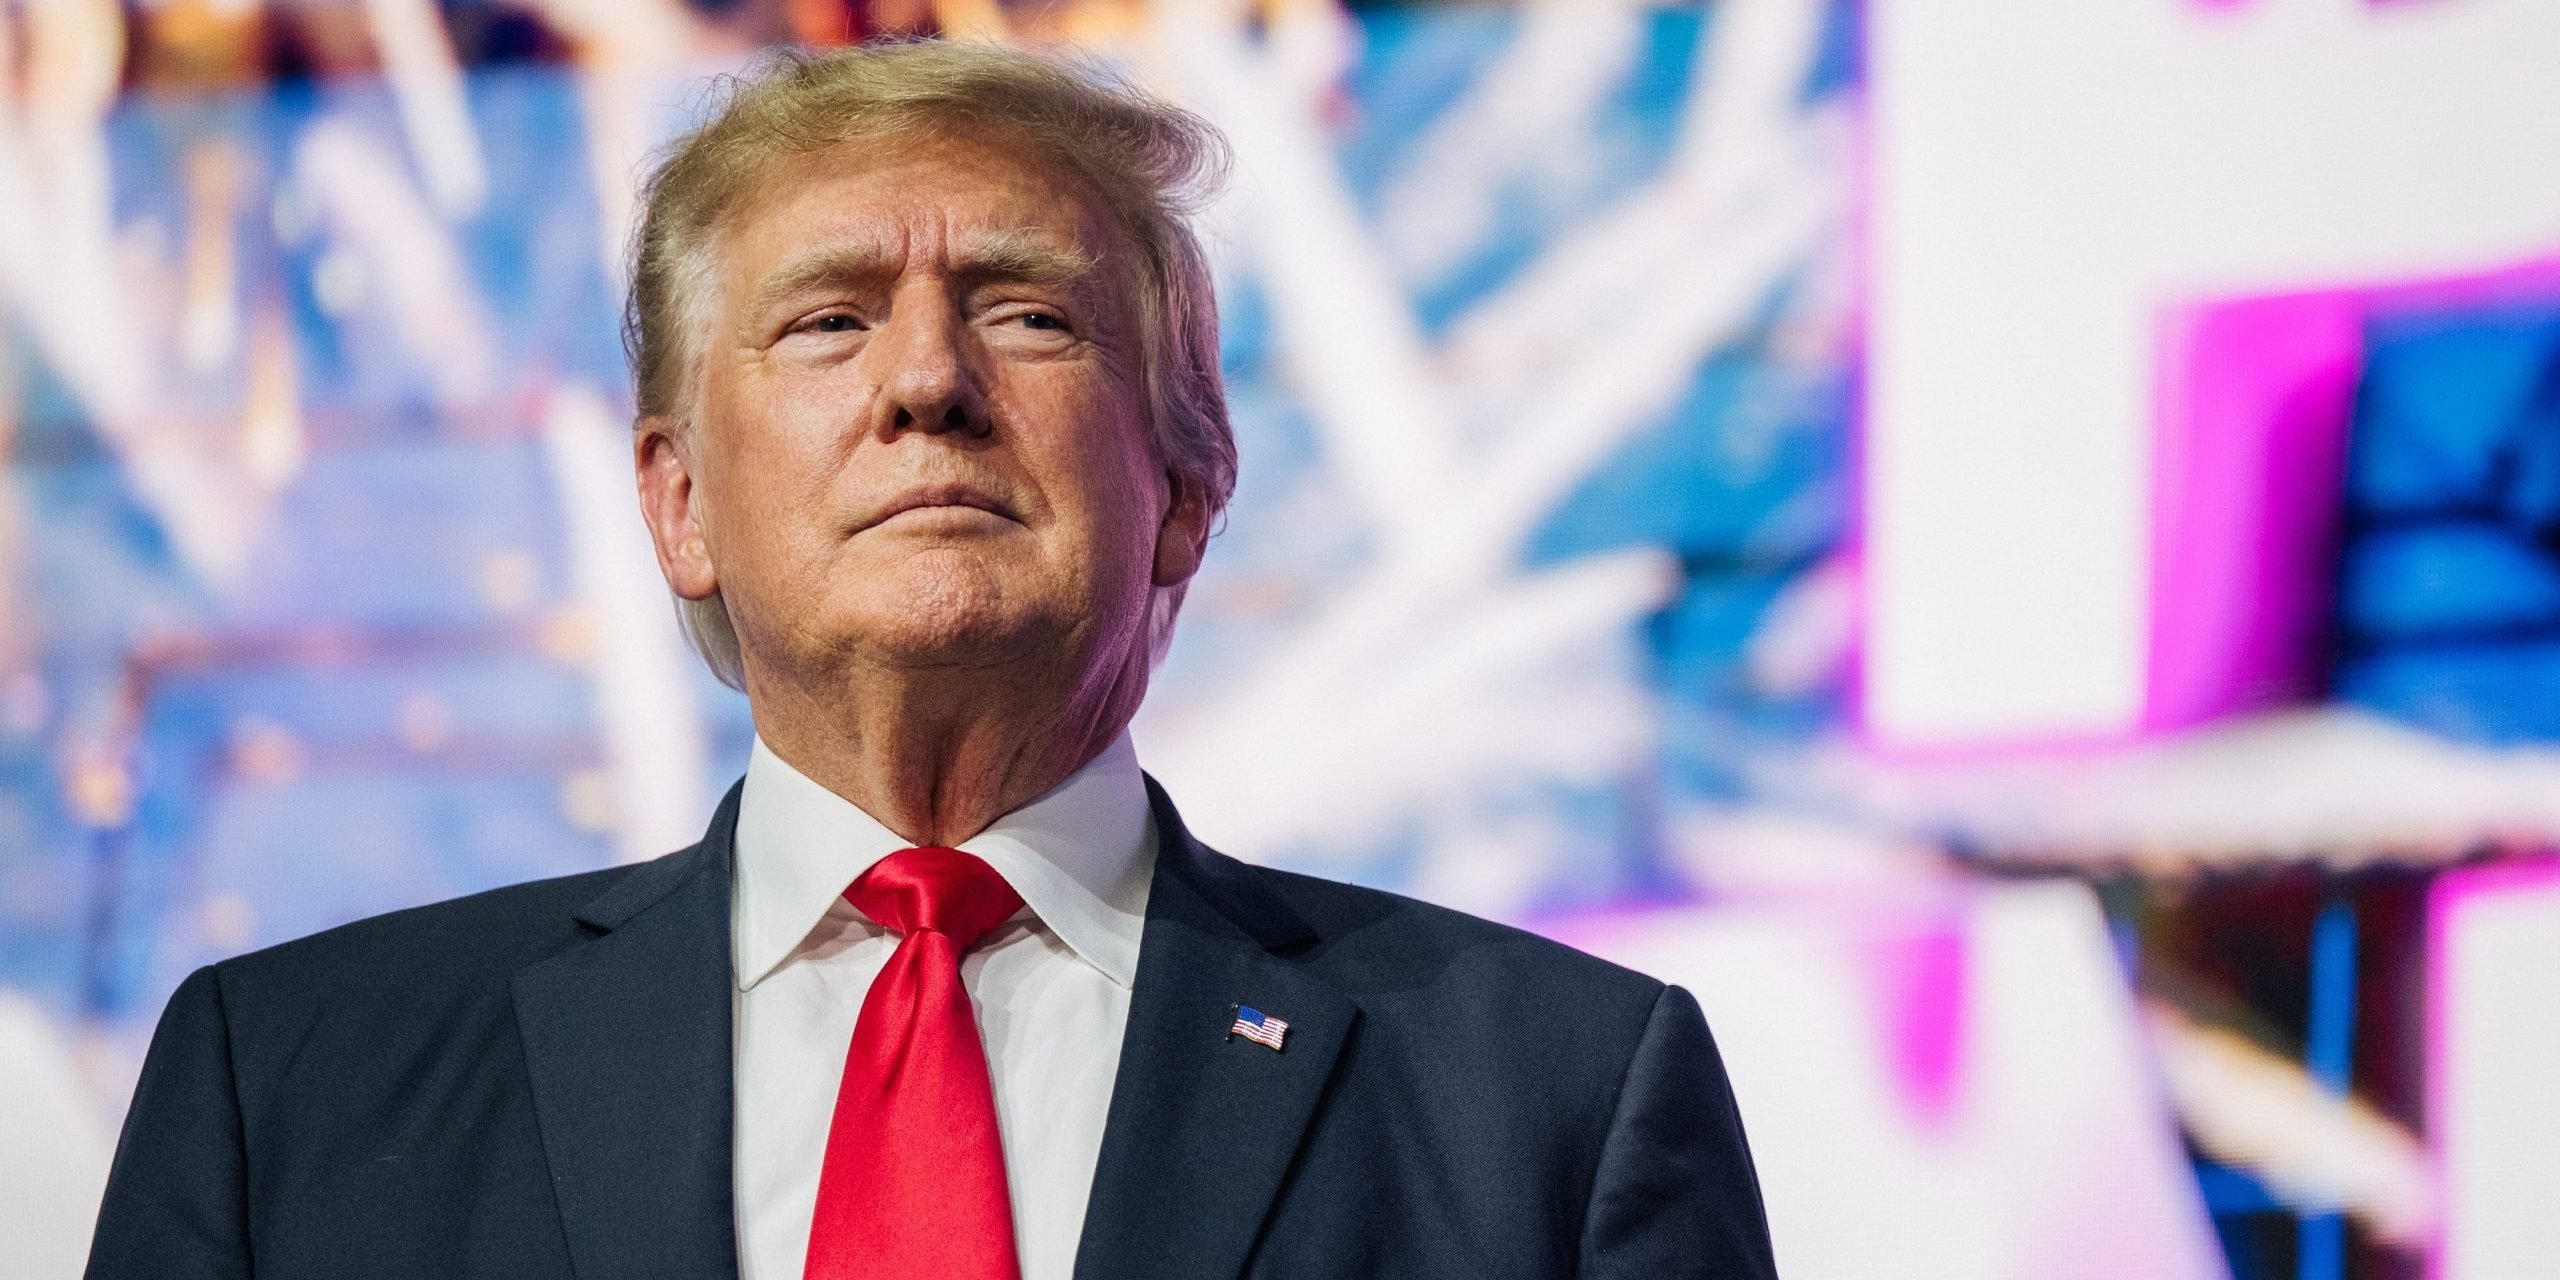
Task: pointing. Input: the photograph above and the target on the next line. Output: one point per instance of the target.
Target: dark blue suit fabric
(535, 1082)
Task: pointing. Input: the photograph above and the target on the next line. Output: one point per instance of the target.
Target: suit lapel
(1202, 1127)
(627, 1039)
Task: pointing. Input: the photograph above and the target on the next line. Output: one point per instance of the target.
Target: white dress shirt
(1051, 989)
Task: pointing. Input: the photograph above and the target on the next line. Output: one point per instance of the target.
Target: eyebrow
(998, 257)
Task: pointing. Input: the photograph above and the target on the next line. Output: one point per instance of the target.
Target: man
(931, 439)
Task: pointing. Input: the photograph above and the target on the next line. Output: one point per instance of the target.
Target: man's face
(921, 436)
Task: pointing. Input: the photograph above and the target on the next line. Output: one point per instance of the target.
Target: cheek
(1124, 501)
(781, 441)
(1095, 458)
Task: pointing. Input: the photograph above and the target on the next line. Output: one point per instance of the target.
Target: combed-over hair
(1152, 165)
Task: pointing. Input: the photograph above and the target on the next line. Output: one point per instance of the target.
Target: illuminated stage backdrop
(1716, 477)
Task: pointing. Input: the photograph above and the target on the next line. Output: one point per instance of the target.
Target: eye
(837, 322)
(1041, 320)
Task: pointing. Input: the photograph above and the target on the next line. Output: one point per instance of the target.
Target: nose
(923, 368)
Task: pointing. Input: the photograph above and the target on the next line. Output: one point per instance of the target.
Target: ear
(667, 504)
(1182, 537)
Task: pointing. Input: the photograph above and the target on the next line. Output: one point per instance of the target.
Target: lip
(927, 497)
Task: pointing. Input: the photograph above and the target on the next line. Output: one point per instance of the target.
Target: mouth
(938, 498)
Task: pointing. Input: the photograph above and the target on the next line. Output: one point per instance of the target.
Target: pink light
(2248, 461)
(2248, 457)
(1921, 975)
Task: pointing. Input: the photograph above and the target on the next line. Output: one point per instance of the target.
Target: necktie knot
(930, 889)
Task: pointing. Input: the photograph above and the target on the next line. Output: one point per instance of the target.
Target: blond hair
(1150, 164)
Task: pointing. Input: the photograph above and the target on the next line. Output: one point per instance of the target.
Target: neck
(938, 754)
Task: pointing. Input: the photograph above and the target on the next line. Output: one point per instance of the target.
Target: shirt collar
(1081, 856)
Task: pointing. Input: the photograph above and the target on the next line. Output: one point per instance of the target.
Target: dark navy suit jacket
(535, 1082)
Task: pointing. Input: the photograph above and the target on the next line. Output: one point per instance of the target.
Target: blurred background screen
(2011, 545)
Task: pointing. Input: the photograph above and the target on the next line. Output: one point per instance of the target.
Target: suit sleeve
(176, 1206)
(1676, 1194)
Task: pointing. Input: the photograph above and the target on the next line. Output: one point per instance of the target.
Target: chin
(950, 613)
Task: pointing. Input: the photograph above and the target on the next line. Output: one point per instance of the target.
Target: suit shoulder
(460, 938)
(1393, 937)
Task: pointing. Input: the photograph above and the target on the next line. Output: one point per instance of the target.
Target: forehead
(921, 194)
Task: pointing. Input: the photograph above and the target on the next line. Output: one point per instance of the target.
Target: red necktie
(913, 1183)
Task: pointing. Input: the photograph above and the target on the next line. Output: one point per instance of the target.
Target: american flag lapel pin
(1259, 1027)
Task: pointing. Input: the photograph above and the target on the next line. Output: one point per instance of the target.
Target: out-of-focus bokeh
(2012, 545)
